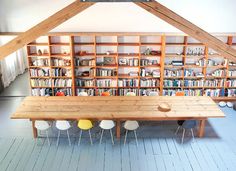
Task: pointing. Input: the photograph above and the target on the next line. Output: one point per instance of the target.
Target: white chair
(153, 93)
(63, 125)
(83, 94)
(131, 126)
(43, 126)
(130, 94)
(107, 125)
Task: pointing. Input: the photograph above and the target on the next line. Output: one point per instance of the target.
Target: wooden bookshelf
(120, 63)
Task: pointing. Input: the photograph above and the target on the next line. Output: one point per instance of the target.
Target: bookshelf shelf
(119, 63)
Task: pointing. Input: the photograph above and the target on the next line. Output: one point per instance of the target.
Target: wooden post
(118, 129)
(201, 128)
(35, 132)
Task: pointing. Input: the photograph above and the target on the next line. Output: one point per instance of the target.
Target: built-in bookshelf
(124, 62)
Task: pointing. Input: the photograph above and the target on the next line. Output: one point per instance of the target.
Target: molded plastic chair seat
(130, 94)
(43, 126)
(187, 124)
(63, 125)
(105, 94)
(83, 94)
(131, 125)
(107, 125)
(153, 93)
(85, 124)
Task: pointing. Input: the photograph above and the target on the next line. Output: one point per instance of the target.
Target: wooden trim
(43, 27)
(189, 28)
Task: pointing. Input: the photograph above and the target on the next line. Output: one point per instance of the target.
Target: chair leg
(101, 136)
(80, 135)
(90, 137)
(112, 140)
(126, 132)
(67, 131)
(136, 137)
(47, 138)
(192, 134)
(58, 136)
(183, 136)
(177, 130)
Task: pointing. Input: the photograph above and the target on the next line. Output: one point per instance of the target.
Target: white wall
(211, 15)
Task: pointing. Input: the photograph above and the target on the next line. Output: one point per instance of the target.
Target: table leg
(118, 129)
(35, 133)
(201, 128)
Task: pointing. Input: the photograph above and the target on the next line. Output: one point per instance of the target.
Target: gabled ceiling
(153, 7)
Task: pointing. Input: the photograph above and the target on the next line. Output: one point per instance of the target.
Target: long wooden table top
(117, 107)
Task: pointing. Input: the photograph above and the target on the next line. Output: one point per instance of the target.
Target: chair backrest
(42, 125)
(60, 93)
(63, 124)
(83, 94)
(188, 124)
(179, 93)
(107, 124)
(130, 94)
(153, 93)
(131, 125)
(85, 124)
(106, 93)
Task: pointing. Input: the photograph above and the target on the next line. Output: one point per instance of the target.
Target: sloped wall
(211, 15)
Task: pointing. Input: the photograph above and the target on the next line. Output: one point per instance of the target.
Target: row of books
(50, 82)
(128, 83)
(215, 83)
(217, 73)
(40, 62)
(189, 92)
(106, 72)
(106, 83)
(41, 92)
(172, 73)
(149, 83)
(62, 82)
(128, 62)
(173, 83)
(61, 62)
(193, 83)
(211, 62)
(147, 62)
(85, 82)
(113, 92)
(189, 73)
(41, 82)
(61, 72)
(90, 92)
(40, 72)
(146, 72)
(232, 73)
(230, 83)
(84, 62)
(66, 91)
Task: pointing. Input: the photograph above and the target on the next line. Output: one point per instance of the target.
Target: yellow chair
(85, 125)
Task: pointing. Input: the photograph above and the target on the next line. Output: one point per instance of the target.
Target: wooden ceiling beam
(189, 28)
(43, 27)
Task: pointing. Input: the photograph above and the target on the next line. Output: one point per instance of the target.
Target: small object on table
(164, 107)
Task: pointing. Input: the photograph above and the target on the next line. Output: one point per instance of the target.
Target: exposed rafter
(187, 27)
(43, 27)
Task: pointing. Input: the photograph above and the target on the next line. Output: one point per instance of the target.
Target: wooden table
(117, 108)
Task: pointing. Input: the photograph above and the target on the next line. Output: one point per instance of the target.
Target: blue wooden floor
(158, 149)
